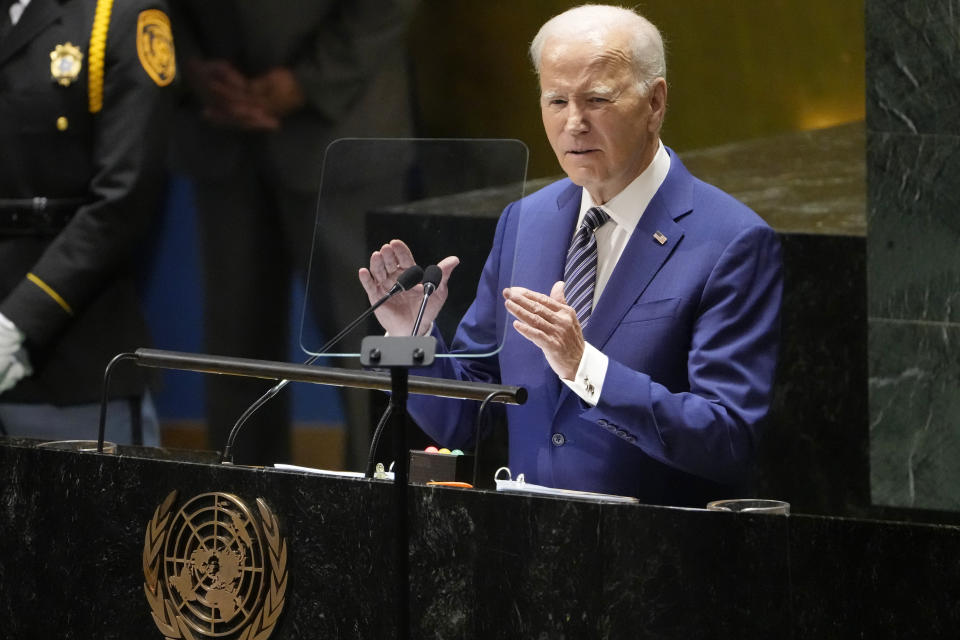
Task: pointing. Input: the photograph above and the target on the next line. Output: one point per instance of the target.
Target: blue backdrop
(173, 290)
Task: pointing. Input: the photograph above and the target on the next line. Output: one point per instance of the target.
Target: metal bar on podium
(273, 370)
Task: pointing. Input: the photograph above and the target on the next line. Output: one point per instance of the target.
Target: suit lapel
(542, 242)
(35, 18)
(641, 259)
(653, 241)
(656, 236)
(543, 238)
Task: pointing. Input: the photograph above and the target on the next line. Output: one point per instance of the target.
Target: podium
(74, 560)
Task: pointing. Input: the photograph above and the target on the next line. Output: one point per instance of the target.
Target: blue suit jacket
(691, 327)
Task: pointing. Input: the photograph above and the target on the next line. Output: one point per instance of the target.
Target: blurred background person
(269, 86)
(85, 94)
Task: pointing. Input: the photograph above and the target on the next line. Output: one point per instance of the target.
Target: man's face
(602, 128)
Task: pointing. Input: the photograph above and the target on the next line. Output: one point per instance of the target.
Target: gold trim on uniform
(155, 46)
(65, 63)
(47, 289)
(97, 50)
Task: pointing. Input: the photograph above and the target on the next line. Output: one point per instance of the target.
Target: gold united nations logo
(214, 569)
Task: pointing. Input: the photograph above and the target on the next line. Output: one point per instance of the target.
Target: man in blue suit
(651, 376)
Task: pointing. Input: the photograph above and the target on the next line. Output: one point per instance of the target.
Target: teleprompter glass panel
(441, 197)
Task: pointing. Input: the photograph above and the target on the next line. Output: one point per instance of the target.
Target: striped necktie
(580, 274)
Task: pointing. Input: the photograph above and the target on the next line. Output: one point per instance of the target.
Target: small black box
(440, 467)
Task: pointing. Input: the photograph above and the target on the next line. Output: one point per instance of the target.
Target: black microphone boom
(431, 280)
(411, 277)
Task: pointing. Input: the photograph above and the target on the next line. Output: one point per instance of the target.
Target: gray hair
(593, 20)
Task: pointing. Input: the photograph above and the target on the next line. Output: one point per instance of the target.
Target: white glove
(14, 362)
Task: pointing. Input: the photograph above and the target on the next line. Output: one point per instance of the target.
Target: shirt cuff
(588, 381)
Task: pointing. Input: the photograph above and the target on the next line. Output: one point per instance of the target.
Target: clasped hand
(398, 315)
(234, 100)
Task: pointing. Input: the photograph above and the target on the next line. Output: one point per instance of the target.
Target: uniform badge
(155, 46)
(65, 64)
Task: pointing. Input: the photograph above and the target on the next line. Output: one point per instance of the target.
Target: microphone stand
(407, 279)
(104, 399)
(399, 354)
(431, 278)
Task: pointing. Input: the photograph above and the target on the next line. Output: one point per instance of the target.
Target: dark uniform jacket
(96, 157)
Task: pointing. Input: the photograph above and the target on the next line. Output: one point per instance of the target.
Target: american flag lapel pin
(660, 238)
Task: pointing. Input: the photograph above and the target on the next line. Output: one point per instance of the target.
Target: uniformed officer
(84, 98)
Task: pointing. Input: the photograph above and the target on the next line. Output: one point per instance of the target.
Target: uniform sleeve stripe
(98, 47)
(47, 289)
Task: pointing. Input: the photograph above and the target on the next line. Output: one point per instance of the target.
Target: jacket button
(62, 123)
(602, 422)
(557, 439)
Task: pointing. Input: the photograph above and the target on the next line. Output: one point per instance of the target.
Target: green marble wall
(913, 252)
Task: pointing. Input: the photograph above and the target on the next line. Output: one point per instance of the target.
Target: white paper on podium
(326, 472)
(520, 485)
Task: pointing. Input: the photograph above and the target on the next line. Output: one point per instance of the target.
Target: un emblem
(214, 569)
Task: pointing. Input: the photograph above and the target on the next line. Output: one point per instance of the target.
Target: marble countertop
(800, 182)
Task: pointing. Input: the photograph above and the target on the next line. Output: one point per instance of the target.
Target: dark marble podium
(482, 564)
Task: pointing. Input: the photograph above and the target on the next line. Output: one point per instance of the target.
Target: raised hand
(398, 314)
(549, 323)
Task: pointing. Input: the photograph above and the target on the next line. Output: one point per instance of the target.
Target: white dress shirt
(16, 10)
(625, 210)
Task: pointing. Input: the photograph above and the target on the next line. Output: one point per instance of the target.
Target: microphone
(432, 276)
(411, 277)
(431, 280)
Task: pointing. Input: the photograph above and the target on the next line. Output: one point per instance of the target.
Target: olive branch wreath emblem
(173, 625)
